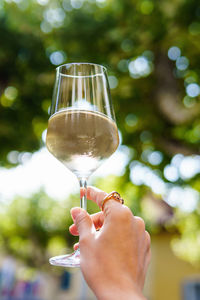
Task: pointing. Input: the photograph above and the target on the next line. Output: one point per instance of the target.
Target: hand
(114, 260)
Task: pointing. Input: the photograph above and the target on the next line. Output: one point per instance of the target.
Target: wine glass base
(69, 260)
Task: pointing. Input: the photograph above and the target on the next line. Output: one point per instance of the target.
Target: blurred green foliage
(151, 50)
(36, 228)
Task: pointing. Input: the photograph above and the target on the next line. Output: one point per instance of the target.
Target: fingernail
(71, 226)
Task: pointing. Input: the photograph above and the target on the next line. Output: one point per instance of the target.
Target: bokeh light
(123, 65)
(57, 57)
(174, 53)
(113, 81)
(143, 175)
(140, 67)
(131, 120)
(182, 63)
(13, 157)
(193, 90)
(43, 2)
(155, 158)
(45, 27)
(171, 173)
(177, 159)
(67, 5)
(158, 117)
(76, 3)
(54, 16)
(189, 167)
(185, 198)
(11, 92)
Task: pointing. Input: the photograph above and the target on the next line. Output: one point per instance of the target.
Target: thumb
(82, 221)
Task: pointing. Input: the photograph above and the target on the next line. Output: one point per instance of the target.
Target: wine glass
(82, 131)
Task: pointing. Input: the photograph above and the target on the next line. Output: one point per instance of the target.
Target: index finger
(95, 194)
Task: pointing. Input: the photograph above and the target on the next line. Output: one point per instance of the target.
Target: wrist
(120, 293)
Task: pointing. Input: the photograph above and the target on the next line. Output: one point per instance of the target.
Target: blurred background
(152, 52)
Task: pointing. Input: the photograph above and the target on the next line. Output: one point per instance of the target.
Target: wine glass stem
(83, 194)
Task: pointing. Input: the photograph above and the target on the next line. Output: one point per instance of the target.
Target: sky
(43, 170)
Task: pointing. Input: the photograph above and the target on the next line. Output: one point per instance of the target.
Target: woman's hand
(114, 259)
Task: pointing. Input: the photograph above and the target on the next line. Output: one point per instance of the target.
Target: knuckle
(108, 211)
(127, 213)
(122, 211)
(81, 217)
(122, 214)
(148, 256)
(83, 240)
(140, 223)
(115, 215)
(148, 239)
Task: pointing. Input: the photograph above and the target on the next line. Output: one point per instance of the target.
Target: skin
(114, 259)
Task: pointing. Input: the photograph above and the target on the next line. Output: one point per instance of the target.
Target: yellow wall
(166, 272)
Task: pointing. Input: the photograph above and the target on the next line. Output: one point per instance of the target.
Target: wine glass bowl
(82, 131)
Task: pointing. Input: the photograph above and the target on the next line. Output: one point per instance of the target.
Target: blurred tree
(151, 50)
(33, 229)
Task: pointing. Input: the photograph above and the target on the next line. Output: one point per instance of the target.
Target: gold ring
(114, 196)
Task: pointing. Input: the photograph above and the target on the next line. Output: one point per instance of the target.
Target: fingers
(141, 229)
(98, 195)
(147, 238)
(112, 208)
(76, 246)
(95, 195)
(97, 220)
(148, 251)
(82, 221)
(140, 223)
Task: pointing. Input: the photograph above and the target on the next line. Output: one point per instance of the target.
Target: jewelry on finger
(112, 196)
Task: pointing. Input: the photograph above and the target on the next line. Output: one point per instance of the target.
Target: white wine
(81, 139)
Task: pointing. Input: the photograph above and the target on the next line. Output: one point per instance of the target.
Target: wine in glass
(82, 131)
